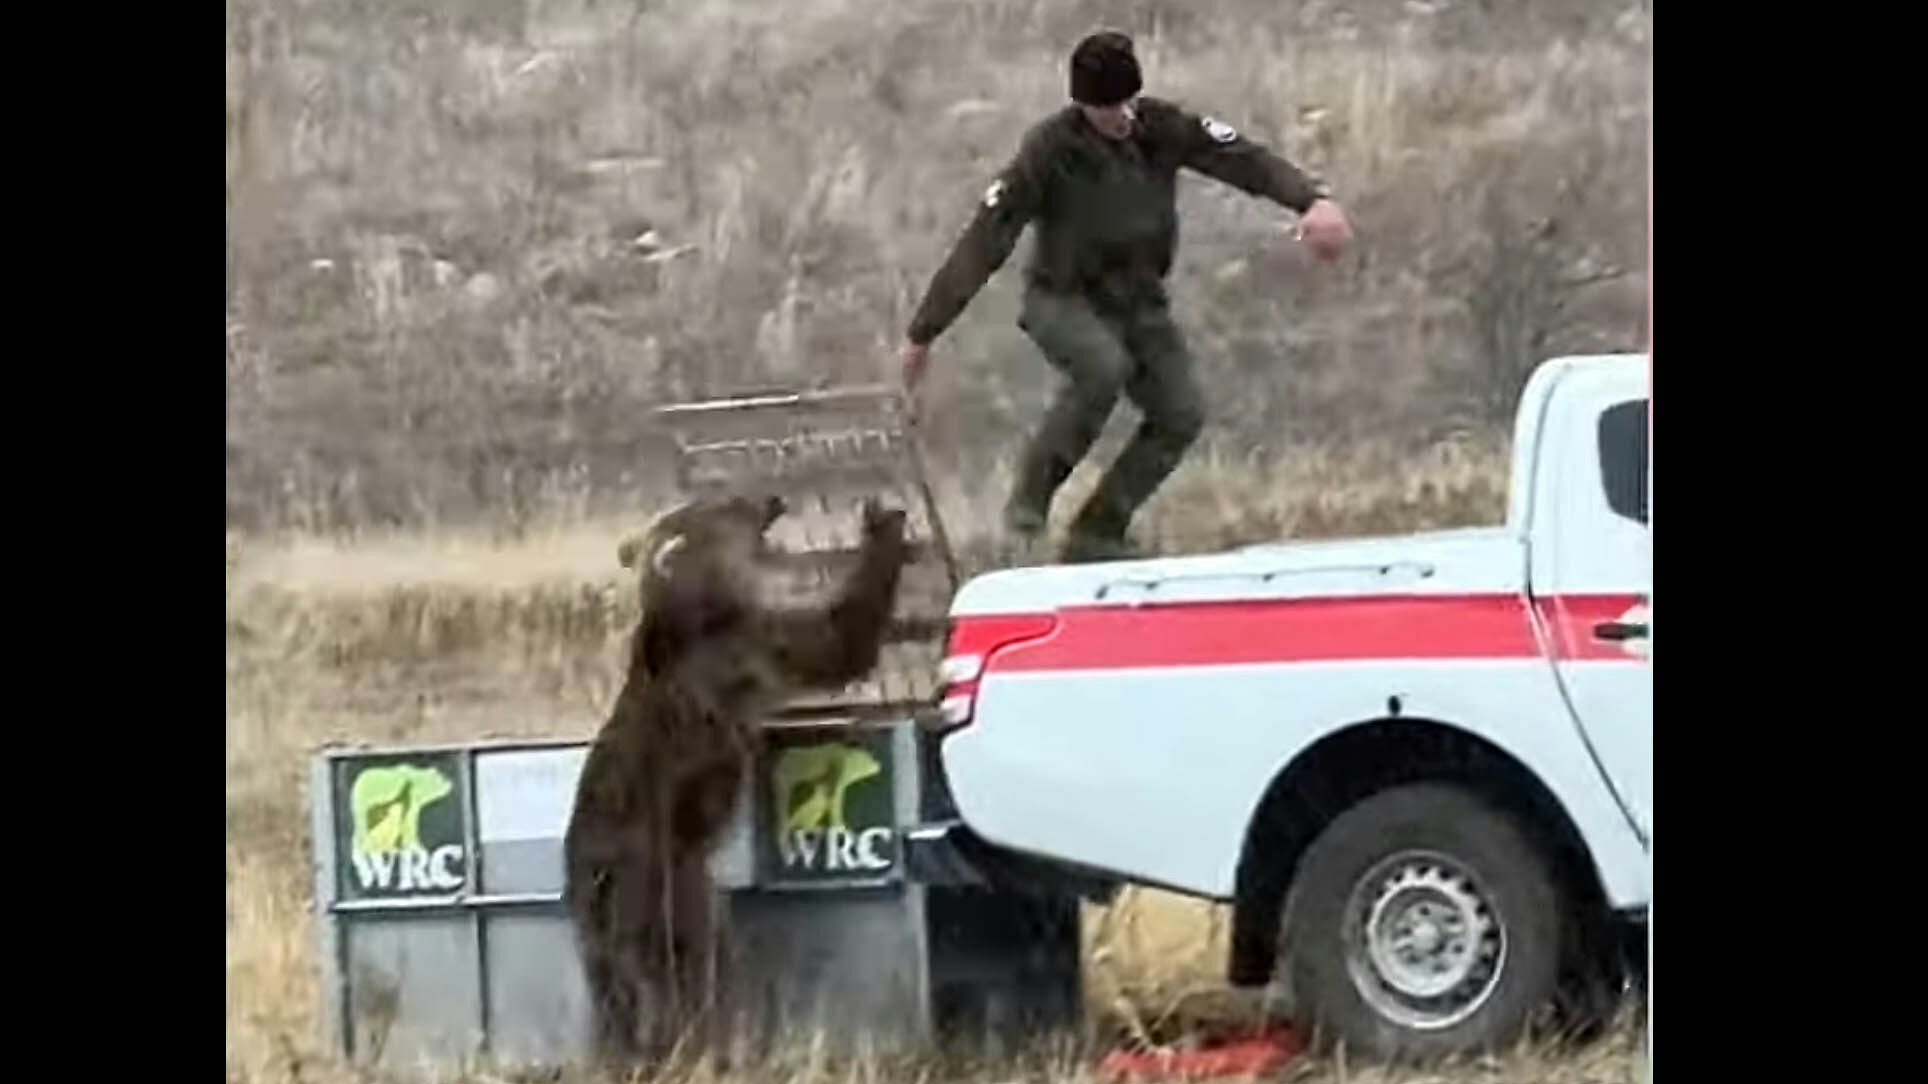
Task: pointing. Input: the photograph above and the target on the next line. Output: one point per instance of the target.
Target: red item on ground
(1241, 1057)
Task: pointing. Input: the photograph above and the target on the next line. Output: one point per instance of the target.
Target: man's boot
(1025, 518)
(1023, 532)
(1042, 468)
(1098, 534)
(1092, 548)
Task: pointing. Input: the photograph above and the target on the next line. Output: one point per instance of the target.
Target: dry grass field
(469, 245)
(415, 637)
(465, 254)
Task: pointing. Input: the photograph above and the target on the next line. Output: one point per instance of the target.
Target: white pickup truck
(1419, 767)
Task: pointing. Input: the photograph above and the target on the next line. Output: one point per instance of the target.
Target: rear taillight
(973, 640)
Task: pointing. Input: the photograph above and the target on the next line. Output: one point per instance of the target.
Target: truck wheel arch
(1348, 765)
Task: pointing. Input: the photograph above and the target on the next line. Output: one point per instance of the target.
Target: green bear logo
(811, 781)
(387, 804)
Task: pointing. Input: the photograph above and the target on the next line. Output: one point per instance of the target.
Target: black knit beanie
(1104, 70)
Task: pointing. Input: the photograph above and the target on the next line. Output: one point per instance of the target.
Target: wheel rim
(1425, 945)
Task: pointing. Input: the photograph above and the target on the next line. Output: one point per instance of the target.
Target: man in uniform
(1099, 179)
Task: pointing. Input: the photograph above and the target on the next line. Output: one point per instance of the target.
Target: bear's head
(698, 567)
(705, 530)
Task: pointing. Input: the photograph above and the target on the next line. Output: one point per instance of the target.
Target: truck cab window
(1623, 458)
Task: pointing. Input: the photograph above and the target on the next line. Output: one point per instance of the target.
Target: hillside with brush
(466, 253)
(470, 246)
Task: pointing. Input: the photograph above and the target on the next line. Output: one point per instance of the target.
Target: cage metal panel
(422, 974)
(490, 970)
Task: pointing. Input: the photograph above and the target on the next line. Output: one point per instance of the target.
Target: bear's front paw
(881, 522)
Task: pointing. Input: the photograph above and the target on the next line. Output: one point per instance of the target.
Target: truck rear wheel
(1422, 922)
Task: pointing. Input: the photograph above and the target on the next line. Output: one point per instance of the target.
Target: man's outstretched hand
(1325, 229)
(914, 357)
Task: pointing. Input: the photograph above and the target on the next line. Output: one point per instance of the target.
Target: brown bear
(708, 660)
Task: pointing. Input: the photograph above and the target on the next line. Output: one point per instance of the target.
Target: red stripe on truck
(1430, 627)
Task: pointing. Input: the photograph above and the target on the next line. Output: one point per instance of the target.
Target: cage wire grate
(826, 451)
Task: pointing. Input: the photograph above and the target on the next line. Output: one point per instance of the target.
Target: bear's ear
(631, 550)
(666, 524)
(659, 557)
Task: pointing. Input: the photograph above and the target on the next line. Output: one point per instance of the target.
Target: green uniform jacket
(1106, 209)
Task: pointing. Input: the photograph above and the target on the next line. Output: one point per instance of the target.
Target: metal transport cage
(856, 918)
(443, 936)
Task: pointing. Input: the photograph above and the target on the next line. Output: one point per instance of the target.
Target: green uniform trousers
(1102, 350)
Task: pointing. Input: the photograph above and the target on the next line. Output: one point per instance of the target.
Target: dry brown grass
(402, 639)
(442, 340)
(436, 311)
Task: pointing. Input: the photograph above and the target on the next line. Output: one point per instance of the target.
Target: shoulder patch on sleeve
(1220, 131)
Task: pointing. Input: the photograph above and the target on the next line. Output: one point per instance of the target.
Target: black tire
(1446, 847)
